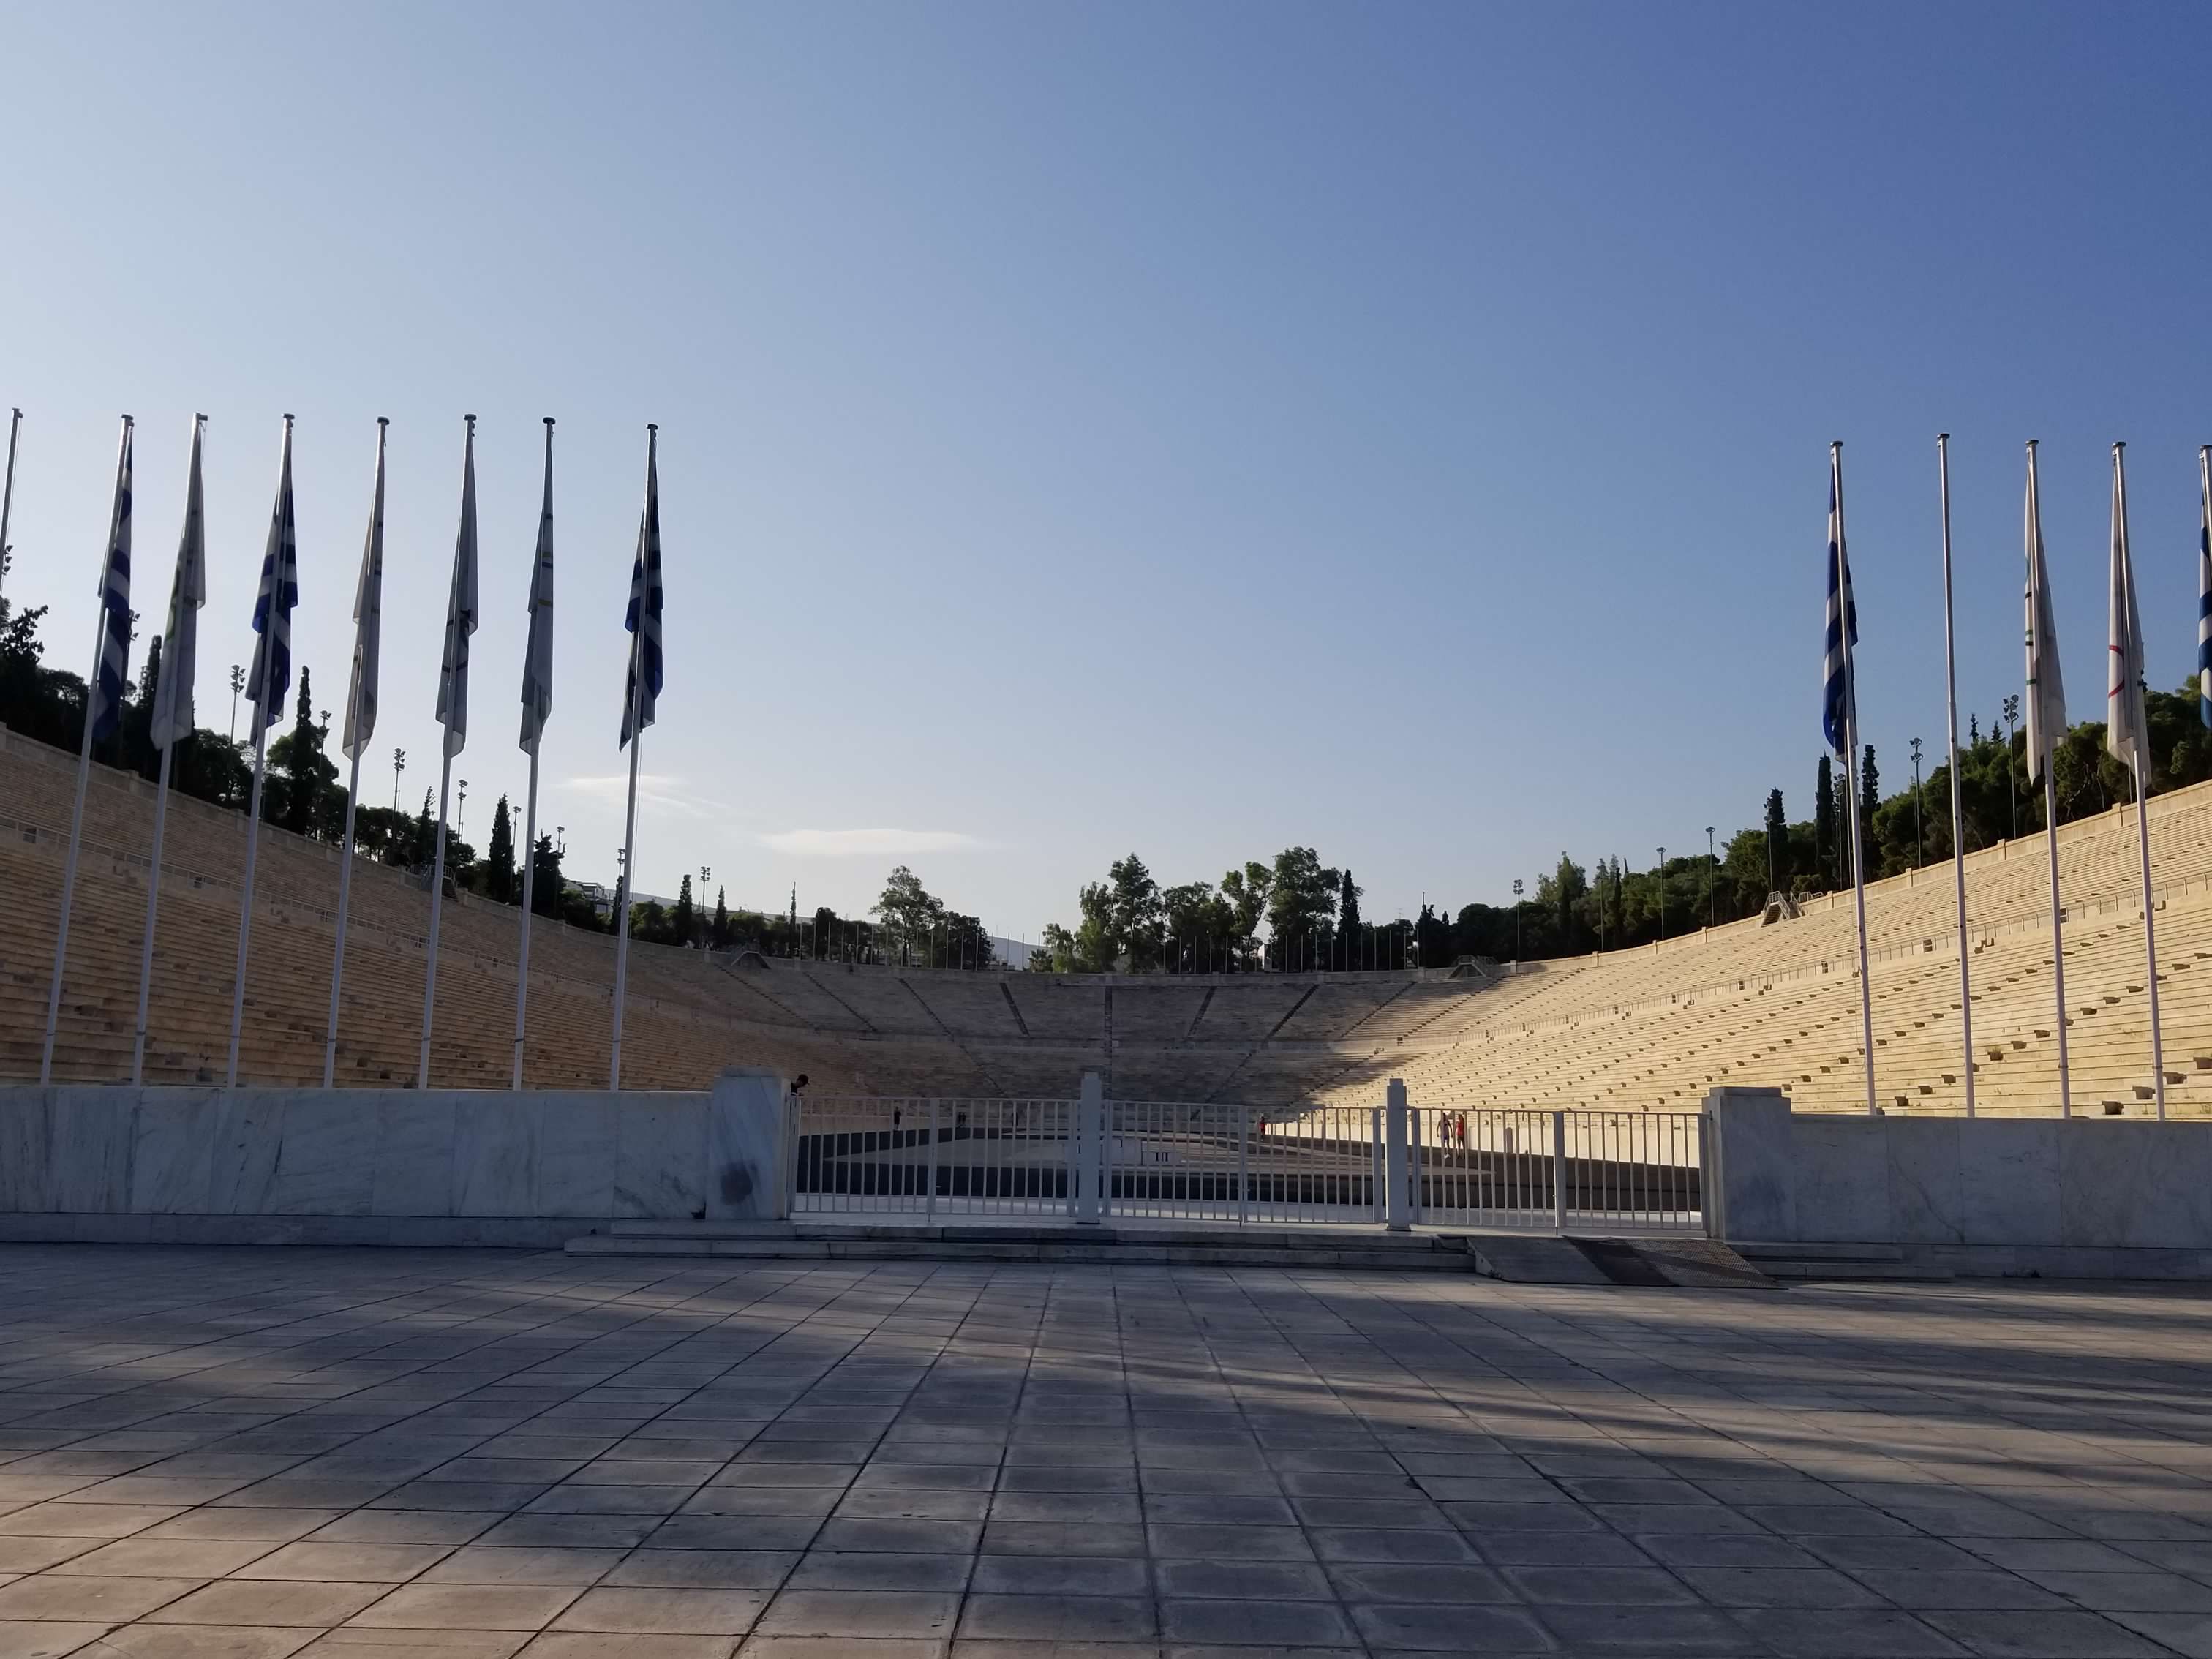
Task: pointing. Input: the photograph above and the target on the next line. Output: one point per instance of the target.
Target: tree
(1246, 893)
(1826, 864)
(1778, 843)
(680, 924)
(1201, 925)
(426, 835)
(718, 931)
(907, 911)
(499, 862)
(1135, 920)
(1869, 790)
(546, 886)
(1347, 922)
(1557, 897)
(1301, 905)
(303, 763)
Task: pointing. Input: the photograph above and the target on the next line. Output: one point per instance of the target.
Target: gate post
(1244, 1166)
(1089, 1150)
(930, 1209)
(1560, 1171)
(1393, 1156)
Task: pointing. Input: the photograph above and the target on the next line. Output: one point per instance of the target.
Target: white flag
(538, 654)
(2126, 737)
(367, 620)
(2046, 689)
(173, 695)
(460, 610)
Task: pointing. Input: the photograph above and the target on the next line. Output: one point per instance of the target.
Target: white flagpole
(7, 490)
(245, 901)
(530, 812)
(2038, 579)
(153, 905)
(279, 563)
(83, 773)
(1958, 809)
(189, 590)
(354, 702)
(630, 840)
(522, 960)
(437, 904)
(1847, 598)
(2125, 668)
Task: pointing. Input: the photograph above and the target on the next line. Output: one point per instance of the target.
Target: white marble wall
(2083, 1184)
(396, 1153)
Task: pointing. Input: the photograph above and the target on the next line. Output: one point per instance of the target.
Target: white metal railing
(933, 1156)
(1149, 1160)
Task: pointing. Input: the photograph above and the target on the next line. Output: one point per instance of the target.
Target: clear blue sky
(1192, 428)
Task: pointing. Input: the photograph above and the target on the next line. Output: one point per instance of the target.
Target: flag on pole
(2047, 688)
(270, 676)
(1837, 701)
(460, 610)
(112, 678)
(643, 618)
(173, 694)
(2125, 736)
(367, 620)
(538, 653)
(2204, 587)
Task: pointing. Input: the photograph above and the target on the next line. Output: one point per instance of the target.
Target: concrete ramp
(1533, 1258)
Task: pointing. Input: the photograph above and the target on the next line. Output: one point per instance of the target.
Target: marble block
(1752, 1163)
(2009, 1181)
(660, 1160)
(249, 1126)
(173, 1150)
(575, 1153)
(326, 1162)
(1925, 1181)
(495, 1154)
(749, 1147)
(1842, 1178)
(414, 1173)
(26, 1151)
(2126, 1184)
(88, 1138)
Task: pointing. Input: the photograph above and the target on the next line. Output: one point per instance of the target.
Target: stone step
(1223, 1249)
(1870, 1263)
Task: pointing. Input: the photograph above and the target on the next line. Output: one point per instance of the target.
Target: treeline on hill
(1311, 912)
(302, 792)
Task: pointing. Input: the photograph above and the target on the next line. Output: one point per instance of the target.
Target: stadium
(1756, 1003)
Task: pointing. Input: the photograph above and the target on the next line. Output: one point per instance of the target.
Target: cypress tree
(1348, 923)
(499, 872)
(684, 917)
(719, 935)
(307, 741)
(1777, 841)
(1825, 861)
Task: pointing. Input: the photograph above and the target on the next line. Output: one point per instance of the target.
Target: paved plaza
(253, 1453)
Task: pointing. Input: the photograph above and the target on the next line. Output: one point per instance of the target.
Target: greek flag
(2047, 687)
(2204, 588)
(538, 653)
(1837, 701)
(173, 693)
(367, 620)
(460, 610)
(112, 679)
(2126, 739)
(270, 677)
(644, 615)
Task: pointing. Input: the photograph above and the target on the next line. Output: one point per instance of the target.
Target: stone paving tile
(396, 1455)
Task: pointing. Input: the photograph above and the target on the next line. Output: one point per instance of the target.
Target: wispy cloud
(878, 844)
(656, 791)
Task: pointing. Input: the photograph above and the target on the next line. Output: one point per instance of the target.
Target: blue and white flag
(270, 677)
(1837, 702)
(538, 652)
(460, 610)
(644, 615)
(2126, 736)
(2047, 687)
(173, 693)
(367, 620)
(2204, 587)
(111, 679)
